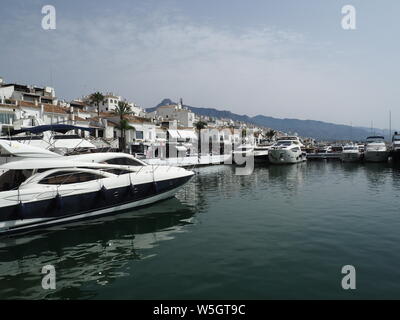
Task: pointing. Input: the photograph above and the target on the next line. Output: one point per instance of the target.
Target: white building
(110, 103)
(14, 91)
(183, 116)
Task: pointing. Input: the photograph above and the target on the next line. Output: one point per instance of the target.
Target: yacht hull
(396, 155)
(376, 156)
(350, 157)
(40, 214)
(285, 157)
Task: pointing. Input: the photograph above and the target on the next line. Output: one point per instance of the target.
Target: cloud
(263, 70)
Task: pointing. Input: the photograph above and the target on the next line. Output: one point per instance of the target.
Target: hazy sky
(281, 58)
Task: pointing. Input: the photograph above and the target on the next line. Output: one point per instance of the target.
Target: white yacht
(56, 137)
(36, 193)
(261, 153)
(287, 150)
(351, 153)
(376, 149)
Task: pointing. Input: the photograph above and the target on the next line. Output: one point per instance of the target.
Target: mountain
(318, 130)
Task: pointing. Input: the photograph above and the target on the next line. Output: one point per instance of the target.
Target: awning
(181, 148)
(173, 134)
(62, 128)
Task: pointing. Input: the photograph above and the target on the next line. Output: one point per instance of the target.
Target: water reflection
(296, 213)
(377, 175)
(94, 252)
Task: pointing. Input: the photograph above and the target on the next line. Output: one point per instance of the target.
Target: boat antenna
(390, 124)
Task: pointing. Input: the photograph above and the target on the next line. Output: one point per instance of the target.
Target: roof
(81, 119)
(10, 106)
(135, 119)
(51, 108)
(48, 108)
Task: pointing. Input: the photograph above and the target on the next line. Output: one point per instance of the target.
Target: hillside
(306, 128)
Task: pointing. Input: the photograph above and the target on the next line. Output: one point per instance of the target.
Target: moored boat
(36, 193)
(376, 149)
(286, 150)
(351, 153)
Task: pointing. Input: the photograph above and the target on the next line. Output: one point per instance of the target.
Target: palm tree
(122, 110)
(95, 99)
(199, 125)
(244, 135)
(123, 126)
(270, 134)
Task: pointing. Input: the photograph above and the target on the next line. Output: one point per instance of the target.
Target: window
(124, 162)
(12, 179)
(116, 171)
(6, 118)
(139, 134)
(68, 177)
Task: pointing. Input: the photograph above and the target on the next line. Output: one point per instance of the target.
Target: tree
(123, 109)
(244, 135)
(199, 125)
(95, 99)
(270, 134)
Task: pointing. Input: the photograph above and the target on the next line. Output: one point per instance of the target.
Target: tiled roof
(9, 106)
(49, 108)
(81, 119)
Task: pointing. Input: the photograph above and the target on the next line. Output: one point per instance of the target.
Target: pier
(190, 161)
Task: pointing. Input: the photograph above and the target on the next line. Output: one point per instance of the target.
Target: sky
(280, 58)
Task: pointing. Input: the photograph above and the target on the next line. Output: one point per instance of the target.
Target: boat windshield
(12, 179)
(396, 138)
(284, 143)
(350, 148)
(375, 139)
(288, 138)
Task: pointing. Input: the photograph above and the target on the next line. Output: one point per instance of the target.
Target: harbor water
(283, 232)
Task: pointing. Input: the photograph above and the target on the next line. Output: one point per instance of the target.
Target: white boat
(287, 150)
(351, 153)
(36, 193)
(376, 149)
(56, 138)
(261, 153)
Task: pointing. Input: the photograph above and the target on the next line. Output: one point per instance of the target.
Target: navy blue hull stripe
(68, 206)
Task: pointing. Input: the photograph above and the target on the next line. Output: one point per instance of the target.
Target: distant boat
(351, 153)
(287, 150)
(376, 149)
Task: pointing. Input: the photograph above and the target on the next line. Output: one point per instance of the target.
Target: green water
(282, 232)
